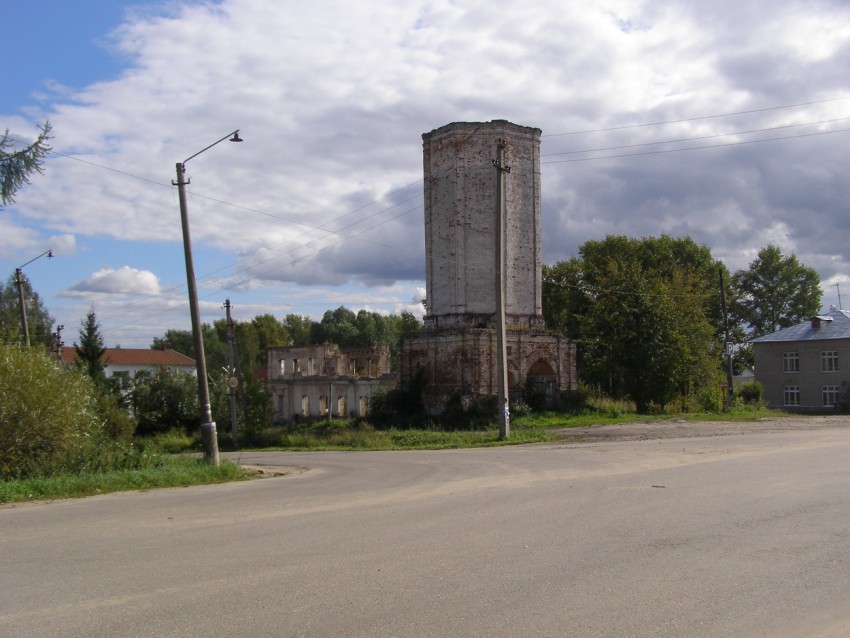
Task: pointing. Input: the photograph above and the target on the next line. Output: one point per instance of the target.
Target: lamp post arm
(228, 136)
(49, 254)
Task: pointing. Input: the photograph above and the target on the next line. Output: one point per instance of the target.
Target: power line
(697, 148)
(699, 117)
(692, 139)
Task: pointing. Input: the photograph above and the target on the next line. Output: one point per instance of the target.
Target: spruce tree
(90, 351)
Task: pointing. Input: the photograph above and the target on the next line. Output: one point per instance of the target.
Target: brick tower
(456, 351)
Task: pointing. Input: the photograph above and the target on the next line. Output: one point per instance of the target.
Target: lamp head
(50, 254)
(236, 137)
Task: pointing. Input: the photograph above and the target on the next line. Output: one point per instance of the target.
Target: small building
(125, 363)
(322, 381)
(806, 367)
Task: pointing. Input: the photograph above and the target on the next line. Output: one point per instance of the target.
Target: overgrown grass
(613, 415)
(167, 471)
(353, 435)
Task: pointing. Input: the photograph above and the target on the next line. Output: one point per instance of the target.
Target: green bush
(751, 392)
(49, 416)
(164, 400)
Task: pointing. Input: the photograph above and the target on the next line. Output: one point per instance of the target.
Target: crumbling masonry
(457, 350)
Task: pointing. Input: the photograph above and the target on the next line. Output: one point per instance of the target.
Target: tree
(39, 321)
(165, 400)
(644, 313)
(774, 292)
(299, 328)
(90, 351)
(17, 166)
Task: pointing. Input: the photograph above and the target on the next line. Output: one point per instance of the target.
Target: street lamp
(19, 280)
(208, 434)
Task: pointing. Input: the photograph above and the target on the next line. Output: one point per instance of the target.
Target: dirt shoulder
(678, 428)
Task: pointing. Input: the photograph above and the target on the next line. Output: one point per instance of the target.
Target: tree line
(342, 326)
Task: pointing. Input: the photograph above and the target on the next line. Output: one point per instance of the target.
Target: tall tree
(90, 350)
(17, 166)
(644, 314)
(774, 292)
(39, 321)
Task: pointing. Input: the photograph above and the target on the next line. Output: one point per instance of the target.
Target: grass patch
(353, 435)
(165, 472)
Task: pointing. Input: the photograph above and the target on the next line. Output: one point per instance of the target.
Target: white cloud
(124, 281)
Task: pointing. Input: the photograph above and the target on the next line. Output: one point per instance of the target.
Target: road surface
(743, 536)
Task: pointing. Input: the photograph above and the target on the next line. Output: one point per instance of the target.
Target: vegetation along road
(745, 535)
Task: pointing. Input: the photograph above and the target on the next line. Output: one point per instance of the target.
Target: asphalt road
(745, 535)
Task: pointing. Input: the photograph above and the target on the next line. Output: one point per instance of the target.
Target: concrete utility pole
(232, 377)
(502, 355)
(730, 387)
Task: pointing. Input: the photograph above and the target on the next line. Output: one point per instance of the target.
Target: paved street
(741, 535)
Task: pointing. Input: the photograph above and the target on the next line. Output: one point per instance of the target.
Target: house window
(340, 406)
(296, 365)
(364, 405)
(791, 395)
(830, 396)
(305, 405)
(282, 363)
(310, 370)
(790, 362)
(323, 405)
(829, 361)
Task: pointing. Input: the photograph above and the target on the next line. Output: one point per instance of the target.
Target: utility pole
(209, 438)
(838, 290)
(57, 343)
(19, 281)
(502, 355)
(728, 344)
(232, 378)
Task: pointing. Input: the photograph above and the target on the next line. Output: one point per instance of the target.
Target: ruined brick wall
(461, 219)
(464, 361)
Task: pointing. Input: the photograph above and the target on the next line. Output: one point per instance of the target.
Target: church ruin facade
(456, 353)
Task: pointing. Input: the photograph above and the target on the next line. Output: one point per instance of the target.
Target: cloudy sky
(728, 121)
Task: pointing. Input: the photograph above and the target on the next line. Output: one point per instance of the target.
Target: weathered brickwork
(457, 350)
(461, 220)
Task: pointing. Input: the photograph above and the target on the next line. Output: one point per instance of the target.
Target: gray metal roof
(838, 328)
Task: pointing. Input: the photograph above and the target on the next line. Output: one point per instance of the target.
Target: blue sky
(321, 205)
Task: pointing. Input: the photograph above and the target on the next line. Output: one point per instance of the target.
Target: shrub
(49, 416)
(751, 392)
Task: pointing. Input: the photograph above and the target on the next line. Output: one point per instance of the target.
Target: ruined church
(456, 352)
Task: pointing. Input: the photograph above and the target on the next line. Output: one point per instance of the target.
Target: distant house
(125, 363)
(322, 381)
(806, 367)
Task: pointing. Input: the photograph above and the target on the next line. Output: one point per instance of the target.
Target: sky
(727, 122)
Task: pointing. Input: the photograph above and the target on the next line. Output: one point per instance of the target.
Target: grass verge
(175, 471)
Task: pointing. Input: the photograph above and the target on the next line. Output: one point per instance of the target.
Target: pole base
(209, 441)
